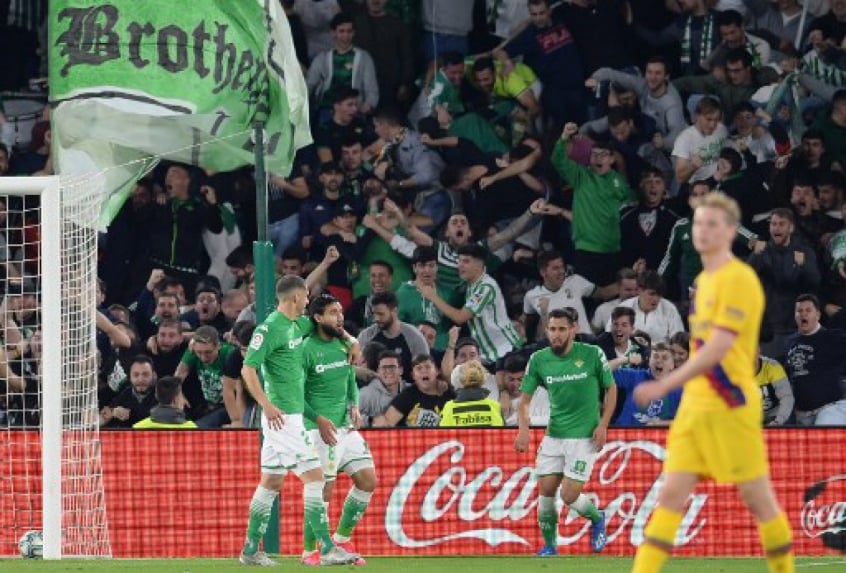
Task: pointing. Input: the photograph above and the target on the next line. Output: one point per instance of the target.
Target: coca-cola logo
(824, 513)
(492, 502)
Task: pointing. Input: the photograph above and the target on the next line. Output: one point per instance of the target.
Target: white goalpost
(51, 477)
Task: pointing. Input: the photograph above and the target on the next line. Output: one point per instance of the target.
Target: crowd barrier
(186, 494)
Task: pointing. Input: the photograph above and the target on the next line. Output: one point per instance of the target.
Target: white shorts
(288, 449)
(349, 455)
(572, 458)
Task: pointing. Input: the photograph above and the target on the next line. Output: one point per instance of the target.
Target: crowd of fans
(476, 165)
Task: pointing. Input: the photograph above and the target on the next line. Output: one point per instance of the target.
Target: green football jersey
(448, 278)
(837, 248)
(490, 326)
(330, 380)
(209, 375)
(573, 383)
(414, 309)
(444, 93)
(342, 72)
(276, 349)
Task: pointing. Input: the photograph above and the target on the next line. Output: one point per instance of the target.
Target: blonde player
(717, 432)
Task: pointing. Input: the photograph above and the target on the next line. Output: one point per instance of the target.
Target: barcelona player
(717, 432)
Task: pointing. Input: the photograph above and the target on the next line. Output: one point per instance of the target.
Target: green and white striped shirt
(448, 265)
(490, 325)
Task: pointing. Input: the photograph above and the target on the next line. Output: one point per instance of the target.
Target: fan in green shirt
(206, 397)
(342, 65)
(446, 86)
(456, 235)
(414, 308)
(598, 194)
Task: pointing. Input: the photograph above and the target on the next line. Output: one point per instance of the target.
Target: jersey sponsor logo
(256, 342)
(321, 368)
(294, 342)
(566, 378)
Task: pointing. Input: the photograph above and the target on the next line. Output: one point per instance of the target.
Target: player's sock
(309, 539)
(660, 534)
(315, 514)
(777, 539)
(586, 509)
(354, 508)
(548, 520)
(260, 507)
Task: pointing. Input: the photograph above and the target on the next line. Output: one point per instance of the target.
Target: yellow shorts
(727, 447)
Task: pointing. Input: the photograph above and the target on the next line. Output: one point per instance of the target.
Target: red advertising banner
(186, 494)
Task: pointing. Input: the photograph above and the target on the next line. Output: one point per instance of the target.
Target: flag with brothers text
(132, 82)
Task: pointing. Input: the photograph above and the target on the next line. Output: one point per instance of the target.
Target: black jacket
(138, 409)
(783, 281)
(175, 231)
(645, 233)
(816, 364)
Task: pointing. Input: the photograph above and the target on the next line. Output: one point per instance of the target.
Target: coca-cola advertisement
(458, 492)
(469, 492)
(823, 515)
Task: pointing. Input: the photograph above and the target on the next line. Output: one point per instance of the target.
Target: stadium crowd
(476, 165)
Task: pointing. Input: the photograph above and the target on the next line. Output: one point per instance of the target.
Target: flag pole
(265, 278)
(802, 19)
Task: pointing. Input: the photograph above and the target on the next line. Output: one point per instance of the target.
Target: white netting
(25, 233)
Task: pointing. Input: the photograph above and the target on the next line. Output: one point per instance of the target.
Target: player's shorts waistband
(339, 430)
(289, 419)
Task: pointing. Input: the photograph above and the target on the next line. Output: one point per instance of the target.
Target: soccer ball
(31, 545)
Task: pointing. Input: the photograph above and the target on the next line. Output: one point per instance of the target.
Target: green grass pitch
(428, 565)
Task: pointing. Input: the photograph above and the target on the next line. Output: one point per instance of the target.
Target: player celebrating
(276, 347)
(331, 390)
(717, 431)
(572, 374)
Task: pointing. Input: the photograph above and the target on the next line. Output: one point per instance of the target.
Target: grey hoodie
(453, 17)
(374, 399)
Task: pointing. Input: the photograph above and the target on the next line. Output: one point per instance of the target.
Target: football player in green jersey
(331, 390)
(572, 374)
(277, 349)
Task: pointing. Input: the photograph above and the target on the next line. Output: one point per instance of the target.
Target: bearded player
(331, 391)
(277, 349)
(573, 374)
(717, 432)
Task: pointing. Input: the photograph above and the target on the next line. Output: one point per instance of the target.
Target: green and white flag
(134, 81)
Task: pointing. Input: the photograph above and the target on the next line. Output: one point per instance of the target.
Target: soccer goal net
(51, 477)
